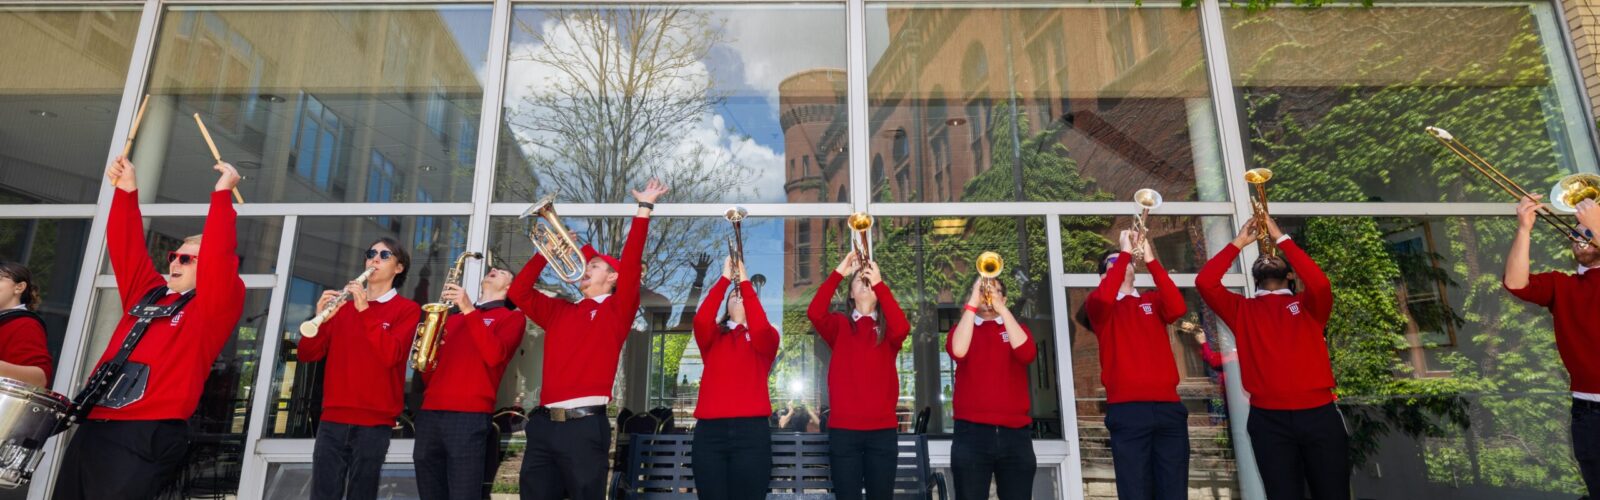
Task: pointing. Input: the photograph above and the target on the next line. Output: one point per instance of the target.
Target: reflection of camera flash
(796, 386)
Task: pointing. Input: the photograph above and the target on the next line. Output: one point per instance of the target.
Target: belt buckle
(558, 414)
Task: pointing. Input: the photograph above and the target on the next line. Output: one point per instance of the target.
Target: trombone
(735, 216)
(1564, 196)
(1147, 199)
(1259, 177)
(861, 224)
(553, 240)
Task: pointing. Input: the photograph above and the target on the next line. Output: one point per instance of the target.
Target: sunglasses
(380, 254)
(182, 258)
(1111, 261)
(1587, 234)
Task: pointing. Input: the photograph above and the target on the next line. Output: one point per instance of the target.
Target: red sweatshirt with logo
(179, 349)
(1573, 301)
(863, 381)
(992, 379)
(738, 360)
(583, 340)
(363, 382)
(1136, 362)
(472, 358)
(1282, 349)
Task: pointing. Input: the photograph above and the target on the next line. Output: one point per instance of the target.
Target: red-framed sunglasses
(182, 258)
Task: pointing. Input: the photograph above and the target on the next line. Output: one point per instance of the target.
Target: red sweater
(1136, 362)
(1572, 301)
(472, 358)
(179, 349)
(863, 381)
(363, 382)
(22, 343)
(992, 379)
(1283, 353)
(583, 340)
(737, 361)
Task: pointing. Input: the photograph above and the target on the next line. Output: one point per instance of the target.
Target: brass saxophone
(425, 346)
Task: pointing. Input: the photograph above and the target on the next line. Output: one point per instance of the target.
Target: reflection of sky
(469, 26)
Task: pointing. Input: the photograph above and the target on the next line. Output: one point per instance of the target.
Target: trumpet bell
(1442, 134)
(990, 264)
(539, 208)
(735, 214)
(1258, 175)
(1572, 190)
(1147, 198)
(860, 221)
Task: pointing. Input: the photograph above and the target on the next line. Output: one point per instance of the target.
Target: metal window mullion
(76, 336)
(1066, 394)
(856, 99)
(1009, 209)
(253, 470)
(331, 209)
(488, 140)
(74, 211)
(681, 209)
(1142, 280)
(1569, 47)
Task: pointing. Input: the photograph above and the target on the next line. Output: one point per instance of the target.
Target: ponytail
(20, 274)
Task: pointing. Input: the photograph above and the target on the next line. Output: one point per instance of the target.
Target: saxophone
(430, 332)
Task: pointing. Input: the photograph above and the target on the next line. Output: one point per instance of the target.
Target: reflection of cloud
(776, 42)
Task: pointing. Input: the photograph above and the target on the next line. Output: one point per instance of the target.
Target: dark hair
(400, 256)
(722, 323)
(20, 274)
(1102, 263)
(877, 310)
(1263, 272)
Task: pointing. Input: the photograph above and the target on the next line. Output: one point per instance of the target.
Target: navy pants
(1586, 443)
(449, 454)
(863, 460)
(1149, 449)
(732, 458)
(122, 459)
(980, 453)
(565, 459)
(348, 461)
(1300, 448)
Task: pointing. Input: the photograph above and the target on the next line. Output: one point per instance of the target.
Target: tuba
(430, 331)
(1564, 196)
(1147, 199)
(553, 241)
(989, 266)
(1259, 177)
(309, 328)
(861, 224)
(736, 215)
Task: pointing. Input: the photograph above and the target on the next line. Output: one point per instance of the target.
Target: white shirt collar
(18, 306)
(386, 296)
(1280, 291)
(1583, 269)
(979, 321)
(1135, 294)
(1281, 239)
(598, 299)
(734, 324)
(856, 315)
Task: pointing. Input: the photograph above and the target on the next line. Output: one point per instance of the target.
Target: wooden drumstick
(134, 131)
(237, 198)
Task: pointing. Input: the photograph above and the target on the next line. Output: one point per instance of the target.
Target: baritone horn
(989, 265)
(430, 331)
(553, 241)
(861, 224)
(1147, 199)
(309, 328)
(735, 216)
(1564, 196)
(1258, 177)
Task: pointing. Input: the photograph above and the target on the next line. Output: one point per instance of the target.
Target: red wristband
(970, 309)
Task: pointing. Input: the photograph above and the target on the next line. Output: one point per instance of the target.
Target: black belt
(565, 414)
(1584, 404)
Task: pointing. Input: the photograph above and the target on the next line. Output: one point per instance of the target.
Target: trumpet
(1147, 199)
(736, 215)
(430, 331)
(1564, 196)
(1259, 177)
(989, 265)
(309, 328)
(553, 241)
(861, 224)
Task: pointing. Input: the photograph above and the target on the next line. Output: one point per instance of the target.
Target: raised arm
(896, 328)
(818, 313)
(1170, 300)
(1220, 299)
(220, 290)
(534, 304)
(705, 318)
(125, 242)
(960, 338)
(627, 293)
(762, 334)
(1099, 301)
(1516, 276)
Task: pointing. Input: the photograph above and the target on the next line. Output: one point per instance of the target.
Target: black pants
(348, 461)
(981, 452)
(449, 454)
(732, 458)
(1150, 449)
(863, 459)
(1586, 443)
(565, 459)
(1296, 448)
(122, 459)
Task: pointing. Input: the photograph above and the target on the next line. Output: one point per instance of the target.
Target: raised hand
(849, 265)
(700, 264)
(228, 177)
(1528, 212)
(1125, 241)
(727, 267)
(121, 173)
(327, 297)
(358, 295)
(1589, 214)
(1247, 234)
(453, 294)
(1272, 228)
(872, 273)
(652, 190)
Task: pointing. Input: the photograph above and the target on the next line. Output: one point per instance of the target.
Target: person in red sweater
(992, 351)
(1148, 424)
(364, 347)
(732, 443)
(1297, 433)
(863, 384)
(453, 427)
(133, 443)
(24, 356)
(568, 433)
(1572, 299)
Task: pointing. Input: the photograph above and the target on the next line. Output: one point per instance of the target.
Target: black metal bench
(659, 468)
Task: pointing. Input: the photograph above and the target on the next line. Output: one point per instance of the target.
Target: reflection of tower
(811, 105)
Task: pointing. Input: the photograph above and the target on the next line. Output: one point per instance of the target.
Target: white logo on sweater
(1294, 308)
(487, 322)
(1005, 336)
(1147, 309)
(175, 319)
(386, 325)
(747, 336)
(591, 314)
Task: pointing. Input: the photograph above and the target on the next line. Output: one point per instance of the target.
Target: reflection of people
(568, 434)
(24, 356)
(453, 435)
(1572, 301)
(992, 351)
(732, 445)
(1297, 434)
(364, 346)
(134, 441)
(863, 384)
(1148, 424)
(798, 418)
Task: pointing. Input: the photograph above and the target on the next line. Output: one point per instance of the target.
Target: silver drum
(29, 415)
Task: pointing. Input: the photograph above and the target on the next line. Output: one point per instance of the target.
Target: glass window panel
(1347, 125)
(712, 98)
(257, 244)
(303, 99)
(217, 429)
(329, 252)
(1042, 102)
(292, 481)
(1046, 482)
(53, 251)
(1212, 467)
(60, 85)
(1178, 241)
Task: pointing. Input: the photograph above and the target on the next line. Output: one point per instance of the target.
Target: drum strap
(8, 315)
(111, 373)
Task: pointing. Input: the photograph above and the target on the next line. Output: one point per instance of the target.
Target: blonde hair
(195, 239)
